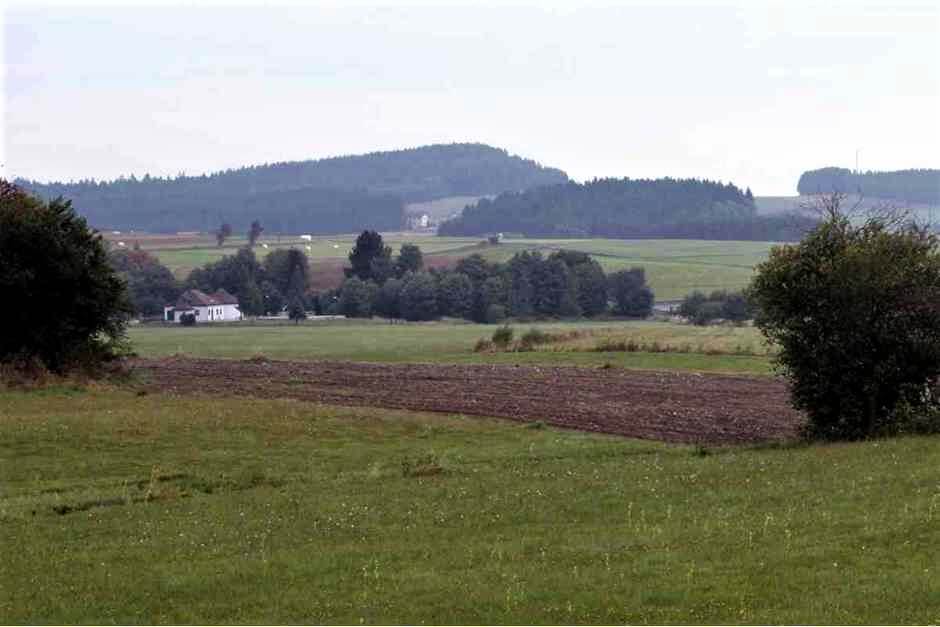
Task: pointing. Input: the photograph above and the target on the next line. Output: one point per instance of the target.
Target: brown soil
(669, 406)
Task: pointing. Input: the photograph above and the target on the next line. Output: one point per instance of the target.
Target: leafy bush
(701, 309)
(632, 297)
(63, 302)
(854, 311)
(502, 336)
(188, 319)
(418, 297)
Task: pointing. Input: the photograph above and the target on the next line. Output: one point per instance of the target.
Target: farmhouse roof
(222, 297)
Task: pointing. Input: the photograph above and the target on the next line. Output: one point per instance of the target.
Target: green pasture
(723, 349)
(120, 508)
(673, 267)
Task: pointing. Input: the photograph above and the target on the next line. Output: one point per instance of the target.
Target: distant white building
(306, 238)
(218, 307)
(419, 221)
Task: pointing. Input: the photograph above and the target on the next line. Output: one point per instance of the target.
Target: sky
(752, 93)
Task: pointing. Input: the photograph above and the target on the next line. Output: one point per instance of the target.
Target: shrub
(631, 295)
(418, 297)
(188, 319)
(854, 311)
(356, 298)
(502, 336)
(534, 337)
(63, 301)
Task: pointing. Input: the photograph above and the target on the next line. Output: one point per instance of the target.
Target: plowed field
(668, 406)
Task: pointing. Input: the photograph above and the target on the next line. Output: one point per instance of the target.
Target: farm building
(217, 307)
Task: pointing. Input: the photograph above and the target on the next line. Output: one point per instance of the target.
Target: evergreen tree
(370, 256)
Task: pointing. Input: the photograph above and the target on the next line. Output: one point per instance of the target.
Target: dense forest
(917, 186)
(335, 195)
(628, 208)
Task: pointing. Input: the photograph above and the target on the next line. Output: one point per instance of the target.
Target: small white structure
(121, 244)
(307, 238)
(218, 307)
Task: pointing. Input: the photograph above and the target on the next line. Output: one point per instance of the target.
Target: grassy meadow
(673, 267)
(659, 345)
(118, 508)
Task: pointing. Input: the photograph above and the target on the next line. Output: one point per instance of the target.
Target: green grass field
(740, 349)
(673, 267)
(116, 508)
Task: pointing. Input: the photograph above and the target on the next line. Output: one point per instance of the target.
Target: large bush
(63, 301)
(632, 297)
(855, 312)
(418, 297)
(700, 308)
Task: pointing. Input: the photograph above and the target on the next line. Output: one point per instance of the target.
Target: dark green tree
(370, 257)
(63, 301)
(590, 280)
(296, 311)
(409, 259)
(631, 295)
(224, 232)
(254, 232)
(418, 297)
(855, 313)
(454, 295)
(150, 284)
(356, 298)
(387, 299)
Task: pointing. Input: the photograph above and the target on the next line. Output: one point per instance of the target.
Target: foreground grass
(446, 342)
(191, 510)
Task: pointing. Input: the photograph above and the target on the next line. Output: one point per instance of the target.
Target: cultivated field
(122, 508)
(673, 267)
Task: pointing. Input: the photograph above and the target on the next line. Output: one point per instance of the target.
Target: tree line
(335, 195)
(564, 284)
(627, 208)
(921, 186)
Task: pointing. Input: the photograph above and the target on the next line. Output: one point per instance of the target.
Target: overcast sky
(749, 93)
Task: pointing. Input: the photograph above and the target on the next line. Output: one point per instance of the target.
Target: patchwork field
(122, 508)
(673, 267)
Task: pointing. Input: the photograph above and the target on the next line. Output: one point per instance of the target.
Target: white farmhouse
(218, 307)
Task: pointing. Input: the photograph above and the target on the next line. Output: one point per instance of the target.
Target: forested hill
(335, 195)
(918, 186)
(667, 208)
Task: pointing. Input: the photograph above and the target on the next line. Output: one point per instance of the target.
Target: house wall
(211, 313)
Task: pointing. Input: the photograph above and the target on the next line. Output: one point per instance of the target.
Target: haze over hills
(334, 195)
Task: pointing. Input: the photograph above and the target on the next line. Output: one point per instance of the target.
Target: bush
(356, 298)
(188, 319)
(63, 302)
(502, 336)
(702, 309)
(631, 295)
(854, 311)
(418, 297)
(534, 337)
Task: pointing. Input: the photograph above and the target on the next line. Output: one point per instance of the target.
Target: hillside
(905, 186)
(626, 208)
(334, 195)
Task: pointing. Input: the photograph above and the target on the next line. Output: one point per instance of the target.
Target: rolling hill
(334, 195)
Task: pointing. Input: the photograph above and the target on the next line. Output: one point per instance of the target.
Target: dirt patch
(668, 406)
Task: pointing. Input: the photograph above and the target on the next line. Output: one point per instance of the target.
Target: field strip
(667, 406)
